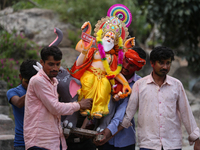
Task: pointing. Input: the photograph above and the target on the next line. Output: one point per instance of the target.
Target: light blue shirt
(125, 137)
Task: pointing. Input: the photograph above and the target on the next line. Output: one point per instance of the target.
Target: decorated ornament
(121, 12)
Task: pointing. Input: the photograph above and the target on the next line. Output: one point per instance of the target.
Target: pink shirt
(42, 124)
(160, 111)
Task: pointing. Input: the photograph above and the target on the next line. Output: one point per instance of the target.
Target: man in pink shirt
(161, 103)
(42, 125)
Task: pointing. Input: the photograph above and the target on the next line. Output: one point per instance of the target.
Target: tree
(179, 23)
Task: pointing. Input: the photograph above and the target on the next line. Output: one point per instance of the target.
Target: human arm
(112, 128)
(49, 98)
(133, 105)
(187, 116)
(18, 101)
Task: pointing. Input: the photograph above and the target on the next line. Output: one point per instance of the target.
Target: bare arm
(18, 101)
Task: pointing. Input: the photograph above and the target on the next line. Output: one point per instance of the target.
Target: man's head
(134, 60)
(51, 60)
(160, 59)
(27, 71)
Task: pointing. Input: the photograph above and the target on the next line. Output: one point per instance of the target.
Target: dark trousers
(39, 148)
(19, 148)
(107, 146)
(151, 149)
(83, 145)
(36, 148)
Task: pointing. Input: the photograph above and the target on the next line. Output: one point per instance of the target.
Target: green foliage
(22, 5)
(17, 46)
(74, 37)
(179, 22)
(13, 50)
(9, 72)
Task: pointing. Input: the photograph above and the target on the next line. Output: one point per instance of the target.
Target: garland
(110, 74)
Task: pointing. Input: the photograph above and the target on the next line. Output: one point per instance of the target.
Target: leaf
(180, 13)
(187, 12)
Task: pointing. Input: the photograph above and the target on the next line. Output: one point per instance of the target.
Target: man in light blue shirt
(125, 139)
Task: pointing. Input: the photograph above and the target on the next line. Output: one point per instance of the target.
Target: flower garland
(110, 74)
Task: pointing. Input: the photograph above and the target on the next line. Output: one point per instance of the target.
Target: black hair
(27, 70)
(161, 53)
(51, 51)
(140, 51)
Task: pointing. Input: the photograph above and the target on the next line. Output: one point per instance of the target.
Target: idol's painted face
(108, 41)
(51, 67)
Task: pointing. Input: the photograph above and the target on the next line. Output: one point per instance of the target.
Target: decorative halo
(122, 12)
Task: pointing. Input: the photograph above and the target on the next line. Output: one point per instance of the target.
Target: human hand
(197, 144)
(107, 136)
(85, 103)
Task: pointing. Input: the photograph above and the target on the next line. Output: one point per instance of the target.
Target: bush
(13, 50)
(17, 46)
(9, 72)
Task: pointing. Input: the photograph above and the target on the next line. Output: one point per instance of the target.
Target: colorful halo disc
(122, 12)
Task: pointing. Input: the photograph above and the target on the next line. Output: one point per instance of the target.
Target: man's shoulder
(18, 88)
(173, 80)
(142, 79)
(37, 78)
(17, 91)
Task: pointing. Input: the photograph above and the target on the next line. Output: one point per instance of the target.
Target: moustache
(163, 70)
(54, 71)
(126, 69)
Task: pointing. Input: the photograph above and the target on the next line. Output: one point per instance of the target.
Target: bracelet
(125, 83)
(84, 52)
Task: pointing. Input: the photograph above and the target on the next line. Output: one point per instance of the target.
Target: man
(42, 125)
(16, 97)
(161, 103)
(125, 139)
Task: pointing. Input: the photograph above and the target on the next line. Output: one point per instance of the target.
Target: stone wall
(6, 123)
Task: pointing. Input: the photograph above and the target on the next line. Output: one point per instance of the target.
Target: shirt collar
(151, 80)
(54, 82)
(133, 78)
